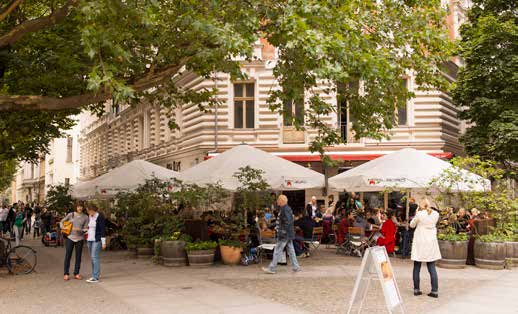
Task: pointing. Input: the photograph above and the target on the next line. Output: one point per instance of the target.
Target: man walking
(285, 236)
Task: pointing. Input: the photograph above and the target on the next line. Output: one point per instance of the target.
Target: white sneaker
(268, 270)
(92, 280)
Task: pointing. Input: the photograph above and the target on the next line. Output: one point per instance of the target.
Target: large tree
(487, 87)
(60, 56)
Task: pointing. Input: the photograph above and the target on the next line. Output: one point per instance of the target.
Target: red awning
(352, 157)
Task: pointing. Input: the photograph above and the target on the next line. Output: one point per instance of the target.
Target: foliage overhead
(7, 171)
(487, 87)
(68, 54)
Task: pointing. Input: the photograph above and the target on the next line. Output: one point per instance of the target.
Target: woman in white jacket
(425, 247)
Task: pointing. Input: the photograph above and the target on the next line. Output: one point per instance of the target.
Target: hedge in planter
(172, 249)
(454, 249)
(201, 254)
(490, 251)
(149, 213)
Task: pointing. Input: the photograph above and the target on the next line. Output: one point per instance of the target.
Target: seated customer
(388, 232)
(343, 227)
(327, 224)
(306, 224)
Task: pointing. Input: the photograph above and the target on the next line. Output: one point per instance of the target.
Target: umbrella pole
(407, 208)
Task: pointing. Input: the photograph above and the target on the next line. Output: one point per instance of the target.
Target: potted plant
(230, 251)
(201, 254)
(497, 203)
(454, 249)
(511, 250)
(490, 251)
(172, 249)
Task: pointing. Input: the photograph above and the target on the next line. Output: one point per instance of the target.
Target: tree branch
(17, 32)
(10, 8)
(27, 103)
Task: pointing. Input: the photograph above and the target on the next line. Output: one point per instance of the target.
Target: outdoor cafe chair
(316, 238)
(332, 237)
(266, 245)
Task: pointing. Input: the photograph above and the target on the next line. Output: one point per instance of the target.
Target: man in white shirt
(4, 211)
(96, 240)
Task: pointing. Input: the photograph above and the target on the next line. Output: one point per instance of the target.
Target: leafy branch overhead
(70, 55)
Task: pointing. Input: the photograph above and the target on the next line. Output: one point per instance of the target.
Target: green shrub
(231, 243)
(198, 246)
(453, 237)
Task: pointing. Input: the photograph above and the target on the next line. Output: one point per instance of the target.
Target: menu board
(376, 267)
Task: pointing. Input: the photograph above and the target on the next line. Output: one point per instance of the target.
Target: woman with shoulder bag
(425, 247)
(74, 226)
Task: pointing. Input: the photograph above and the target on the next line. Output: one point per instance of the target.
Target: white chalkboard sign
(376, 267)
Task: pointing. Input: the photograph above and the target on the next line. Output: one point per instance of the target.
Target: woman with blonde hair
(425, 247)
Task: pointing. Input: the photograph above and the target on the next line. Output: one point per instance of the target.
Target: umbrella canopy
(279, 173)
(405, 169)
(125, 178)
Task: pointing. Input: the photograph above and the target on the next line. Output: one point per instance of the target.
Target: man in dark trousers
(285, 236)
(27, 212)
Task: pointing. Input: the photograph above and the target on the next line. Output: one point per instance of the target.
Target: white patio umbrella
(125, 178)
(405, 169)
(279, 173)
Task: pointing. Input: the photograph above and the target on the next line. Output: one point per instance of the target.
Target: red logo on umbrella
(372, 182)
(288, 183)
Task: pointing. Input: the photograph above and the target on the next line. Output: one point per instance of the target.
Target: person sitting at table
(305, 224)
(312, 207)
(343, 227)
(388, 232)
(360, 221)
(327, 224)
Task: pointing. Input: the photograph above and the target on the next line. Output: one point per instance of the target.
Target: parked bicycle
(19, 260)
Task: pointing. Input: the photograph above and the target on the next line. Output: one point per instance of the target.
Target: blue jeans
(95, 250)
(433, 275)
(277, 253)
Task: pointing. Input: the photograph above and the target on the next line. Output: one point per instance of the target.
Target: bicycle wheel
(21, 260)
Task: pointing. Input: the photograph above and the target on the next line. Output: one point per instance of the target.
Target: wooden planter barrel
(454, 254)
(144, 252)
(230, 255)
(490, 255)
(173, 253)
(201, 258)
(511, 252)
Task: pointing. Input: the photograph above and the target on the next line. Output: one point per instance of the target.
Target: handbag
(67, 227)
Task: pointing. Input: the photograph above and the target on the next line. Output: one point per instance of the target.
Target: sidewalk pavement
(497, 296)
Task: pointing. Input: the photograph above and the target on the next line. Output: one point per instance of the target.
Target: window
(116, 109)
(67, 181)
(177, 166)
(293, 111)
(244, 105)
(401, 112)
(169, 166)
(345, 118)
(70, 141)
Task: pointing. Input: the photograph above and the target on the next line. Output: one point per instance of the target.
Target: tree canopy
(61, 56)
(487, 87)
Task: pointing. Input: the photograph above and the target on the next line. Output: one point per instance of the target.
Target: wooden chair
(316, 238)
(332, 237)
(266, 245)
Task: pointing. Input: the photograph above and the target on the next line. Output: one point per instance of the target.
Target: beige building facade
(429, 123)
